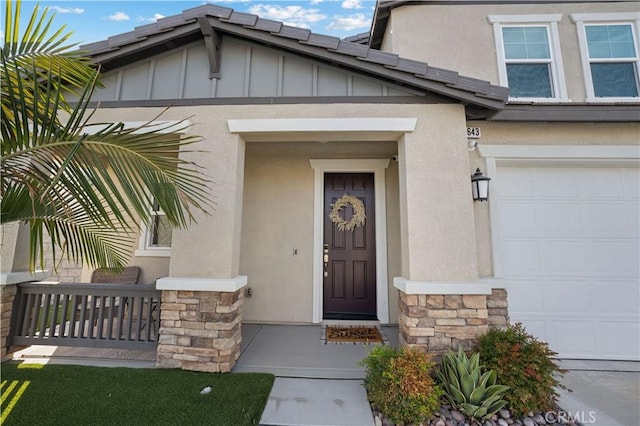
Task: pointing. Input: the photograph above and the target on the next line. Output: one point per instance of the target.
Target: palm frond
(88, 186)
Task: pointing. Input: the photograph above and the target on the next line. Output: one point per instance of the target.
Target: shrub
(400, 385)
(476, 395)
(523, 363)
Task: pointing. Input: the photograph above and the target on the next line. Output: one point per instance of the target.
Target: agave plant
(88, 187)
(476, 395)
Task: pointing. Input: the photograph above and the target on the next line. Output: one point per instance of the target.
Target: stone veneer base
(200, 330)
(439, 322)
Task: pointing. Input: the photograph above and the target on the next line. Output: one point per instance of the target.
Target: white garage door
(570, 252)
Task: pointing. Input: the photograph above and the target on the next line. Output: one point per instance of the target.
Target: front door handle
(325, 259)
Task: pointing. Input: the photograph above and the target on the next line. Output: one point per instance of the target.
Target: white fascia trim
(229, 285)
(277, 125)
(8, 278)
(160, 127)
(594, 152)
(479, 287)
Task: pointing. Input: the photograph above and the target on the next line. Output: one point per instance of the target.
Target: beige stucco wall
(440, 217)
(420, 32)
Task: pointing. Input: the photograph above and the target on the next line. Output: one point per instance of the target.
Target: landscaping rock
(457, 416)
(447, 416)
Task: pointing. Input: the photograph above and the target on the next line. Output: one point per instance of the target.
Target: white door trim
(377, 167)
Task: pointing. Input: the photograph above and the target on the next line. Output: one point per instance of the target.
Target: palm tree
(88, 190)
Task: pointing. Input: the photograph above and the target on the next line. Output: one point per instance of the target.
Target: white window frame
(583, 20)
(558, 84)
(145, 249)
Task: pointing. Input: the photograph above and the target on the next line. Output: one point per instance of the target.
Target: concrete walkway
(316, 383)
(317, 402)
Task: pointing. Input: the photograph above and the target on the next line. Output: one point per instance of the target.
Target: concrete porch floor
(297, 351)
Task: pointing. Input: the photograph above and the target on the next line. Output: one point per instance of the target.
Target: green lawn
(69, 395)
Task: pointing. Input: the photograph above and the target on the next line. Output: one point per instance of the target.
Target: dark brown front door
(350, 273)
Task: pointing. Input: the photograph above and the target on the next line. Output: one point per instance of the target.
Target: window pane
(529, 81)
(526, 43)
(610, 41)
(160, 232)
(614, 80)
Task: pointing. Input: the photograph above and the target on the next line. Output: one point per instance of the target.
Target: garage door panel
(564, 258)
(515, 184)
(617, 298)
(573, 276)
(607, 219)
(630, 183)
(525, 212)
(633, 218)
(521, 256)
(524, 296)
(601, 183)
(611, 258)
(558, 219)
(567, 336)
(618, 338)
(568, 297)
(552, 183)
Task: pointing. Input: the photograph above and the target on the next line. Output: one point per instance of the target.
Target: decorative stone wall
(442, 322)
(7, 296)
(200, 330)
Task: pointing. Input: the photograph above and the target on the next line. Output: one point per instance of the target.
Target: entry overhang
(322, 129)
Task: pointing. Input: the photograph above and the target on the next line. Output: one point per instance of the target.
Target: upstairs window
(528, 53)
(528, 62)
(609, 50)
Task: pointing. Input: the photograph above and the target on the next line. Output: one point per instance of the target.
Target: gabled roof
(211, 20)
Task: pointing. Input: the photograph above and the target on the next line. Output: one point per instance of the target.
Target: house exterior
(543, 97)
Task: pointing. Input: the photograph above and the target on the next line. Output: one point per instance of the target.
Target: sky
(95, 20)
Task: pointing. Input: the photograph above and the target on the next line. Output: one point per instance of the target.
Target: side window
(159, 234)
(528, 54)
(155, 240)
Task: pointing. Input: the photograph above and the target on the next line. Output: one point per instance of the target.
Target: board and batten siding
(246, 70)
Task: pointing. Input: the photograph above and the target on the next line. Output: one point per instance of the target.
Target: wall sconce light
(479, 186)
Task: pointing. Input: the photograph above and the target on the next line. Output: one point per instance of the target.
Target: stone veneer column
(7, 296)
(498, 308)
(200, 330)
